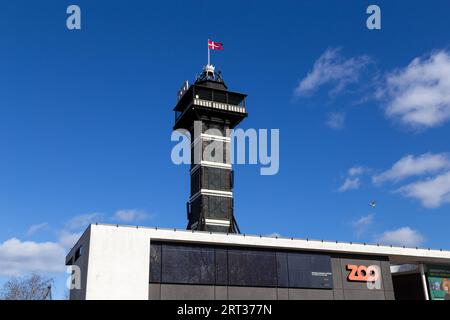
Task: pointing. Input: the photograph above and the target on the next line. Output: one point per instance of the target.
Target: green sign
(439, 282)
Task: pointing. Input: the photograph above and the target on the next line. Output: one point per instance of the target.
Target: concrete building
(124, 262)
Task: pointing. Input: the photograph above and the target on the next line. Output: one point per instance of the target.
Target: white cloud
(82, 221)
(410, 166)
(356, 171)
(332, 68)
(353, 179)
(419, 95)
(68, 239)
(361, 225)
(335, 120)
(350, 184)
(130, 215)
(18, 258)
(36, 228)
(402, 237)
(432, 192)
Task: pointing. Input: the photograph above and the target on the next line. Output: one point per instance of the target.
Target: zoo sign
(363, 273)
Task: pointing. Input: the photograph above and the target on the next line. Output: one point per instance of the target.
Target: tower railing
(213, 105)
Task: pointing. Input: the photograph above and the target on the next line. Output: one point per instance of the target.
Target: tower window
(216, 178)
(78, 253)
(217, 207)
(204, 93)
(220, 96)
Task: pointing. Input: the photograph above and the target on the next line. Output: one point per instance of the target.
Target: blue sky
(86, 118)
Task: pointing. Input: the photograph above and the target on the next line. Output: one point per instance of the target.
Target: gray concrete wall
(342, 288)
(347, 290)
(82, 264)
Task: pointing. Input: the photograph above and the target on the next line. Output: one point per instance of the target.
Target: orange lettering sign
(362, 273)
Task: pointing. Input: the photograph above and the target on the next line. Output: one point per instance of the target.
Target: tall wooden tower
(208, 110)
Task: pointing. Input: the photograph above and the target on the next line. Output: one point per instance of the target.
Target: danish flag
(212, 45)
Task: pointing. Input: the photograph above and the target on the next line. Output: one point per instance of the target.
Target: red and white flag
(212, 45)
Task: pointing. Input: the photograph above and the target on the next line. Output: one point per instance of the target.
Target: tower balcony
(213, 105)
(200, 100)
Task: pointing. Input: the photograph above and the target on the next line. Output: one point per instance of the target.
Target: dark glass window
(187, 264)
(309, 271)
(204, 93)
(220, 96)
(282, 270)
(216, 179)
(322, 276)
(235, 99)
(201, 264)
(299, 270)
(212, 178)
(155, 263)
(217, 207)
(221, 267)
(78, 253)
(252, 268)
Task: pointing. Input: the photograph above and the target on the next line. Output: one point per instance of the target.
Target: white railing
(218, 105)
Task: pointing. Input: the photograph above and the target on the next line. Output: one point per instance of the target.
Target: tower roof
(210, 78)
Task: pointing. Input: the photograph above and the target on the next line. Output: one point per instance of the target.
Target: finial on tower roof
(209, 74)
(209, 68)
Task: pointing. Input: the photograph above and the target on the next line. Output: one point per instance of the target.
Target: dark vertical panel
(187, 264)
(204, 93)
(221, 267)
(225, 179)
(299, 270)
(235, 99)
(217, 207)
(321, 271)
(216, 178)
(320, 263)
(213, 179)
(309, 271)
(196, 208)
(282, 270)
(155, 263)
(195, 182)
(220, 96)
(252, 268)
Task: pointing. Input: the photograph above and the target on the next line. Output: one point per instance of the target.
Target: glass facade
(211, 265)
(245, 268)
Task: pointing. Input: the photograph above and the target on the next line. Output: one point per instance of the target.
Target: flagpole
(209, 56)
